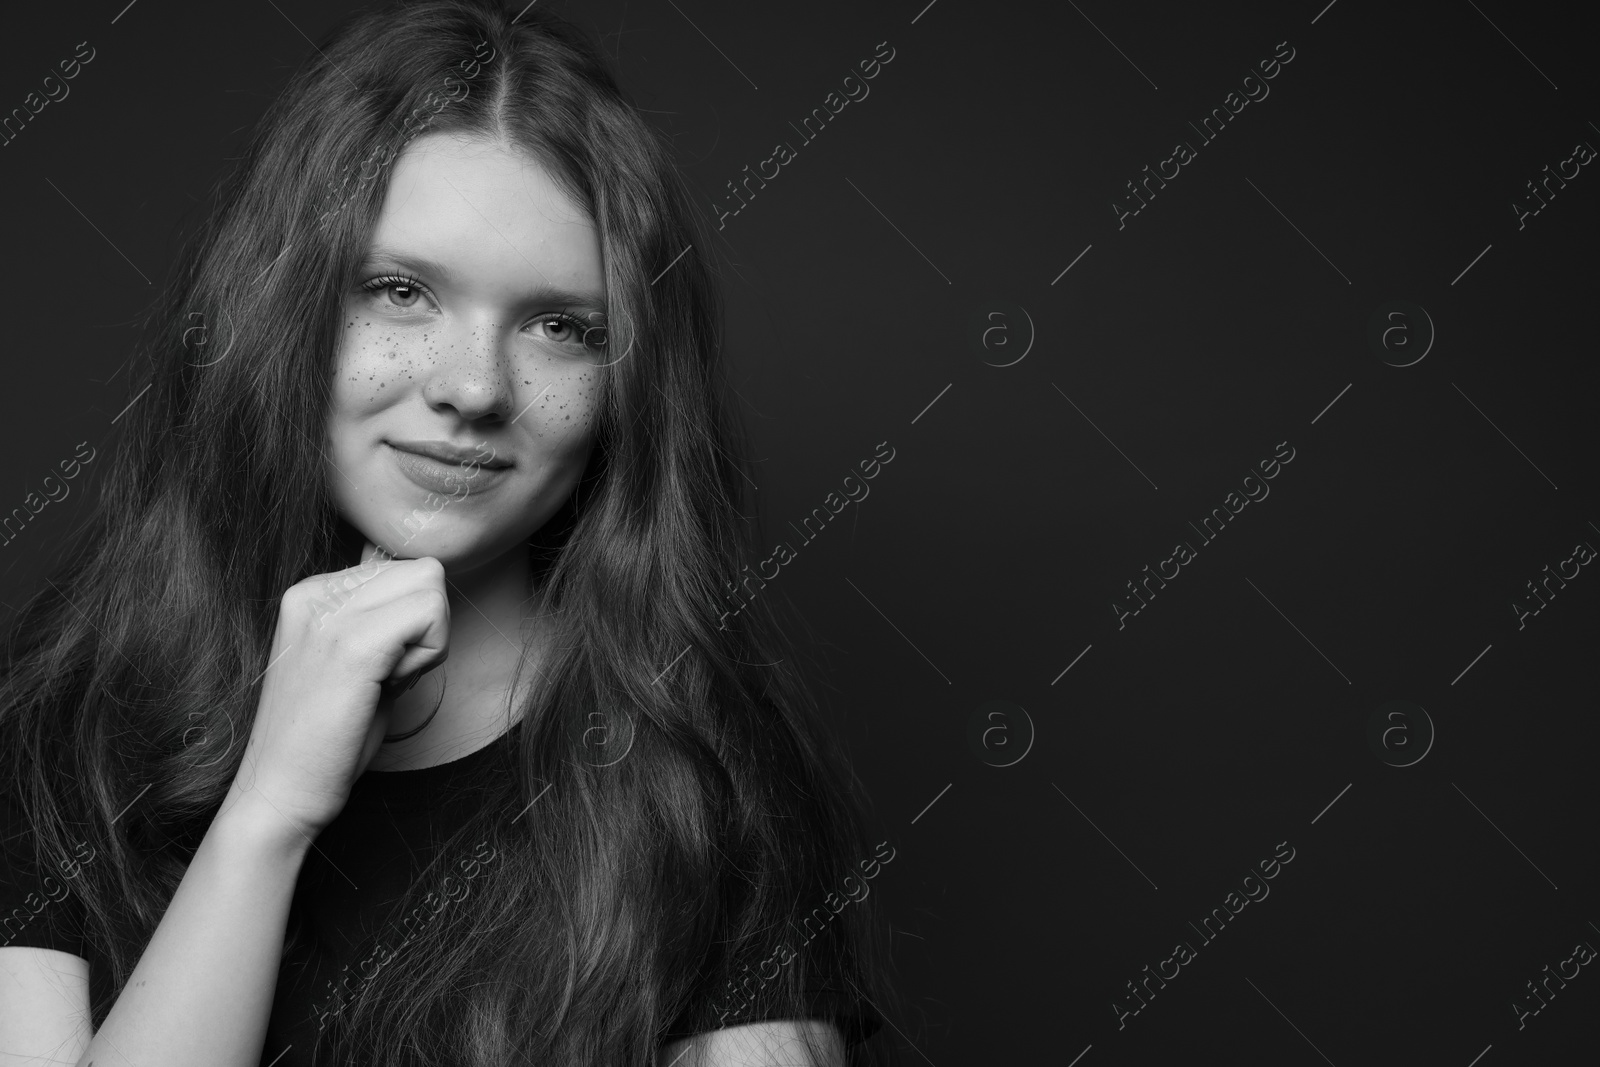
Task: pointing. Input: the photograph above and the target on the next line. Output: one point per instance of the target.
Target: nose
(471, 375)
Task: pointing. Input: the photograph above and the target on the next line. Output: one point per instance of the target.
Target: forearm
(202, 991)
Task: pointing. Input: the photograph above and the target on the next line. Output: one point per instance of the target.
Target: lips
(447, 469)
(444, 452)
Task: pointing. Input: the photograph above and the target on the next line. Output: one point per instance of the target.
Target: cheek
(562, 401)
(376, 361)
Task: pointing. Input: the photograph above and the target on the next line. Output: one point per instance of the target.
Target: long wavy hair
(134, 673)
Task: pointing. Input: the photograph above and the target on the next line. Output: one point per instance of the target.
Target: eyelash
(394, 281)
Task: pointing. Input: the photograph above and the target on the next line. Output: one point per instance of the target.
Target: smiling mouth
(441, 468)
(445, 452)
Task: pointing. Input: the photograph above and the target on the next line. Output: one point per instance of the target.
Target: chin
(460, 546)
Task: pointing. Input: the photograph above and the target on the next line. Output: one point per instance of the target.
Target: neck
(492, 617)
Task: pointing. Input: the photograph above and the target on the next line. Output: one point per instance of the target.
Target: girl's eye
(566, 329)
(560, 329)
(404, 295)
(402, 292)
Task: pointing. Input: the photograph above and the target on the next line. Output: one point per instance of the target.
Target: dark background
(1178, 351)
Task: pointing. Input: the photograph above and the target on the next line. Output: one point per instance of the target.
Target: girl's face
(466, 383)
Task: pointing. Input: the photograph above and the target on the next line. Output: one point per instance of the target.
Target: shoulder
(44, 1004)
(769, 1043)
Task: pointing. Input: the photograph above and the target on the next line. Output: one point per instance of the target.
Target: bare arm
(202, 992)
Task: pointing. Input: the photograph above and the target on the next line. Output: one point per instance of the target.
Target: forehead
(490, 213)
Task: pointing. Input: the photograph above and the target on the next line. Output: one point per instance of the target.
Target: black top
(362, 863)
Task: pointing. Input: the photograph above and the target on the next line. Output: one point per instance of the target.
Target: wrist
(248, 819)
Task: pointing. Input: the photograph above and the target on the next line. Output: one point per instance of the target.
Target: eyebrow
(424, 265)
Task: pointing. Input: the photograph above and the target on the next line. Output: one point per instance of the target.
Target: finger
(387, 575)
(413, 664)
(424, 634)
(399, 684)
(375, 559)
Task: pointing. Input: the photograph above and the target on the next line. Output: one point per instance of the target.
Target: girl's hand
(341, 637)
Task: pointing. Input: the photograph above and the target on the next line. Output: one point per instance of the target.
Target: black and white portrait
(601, 533)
